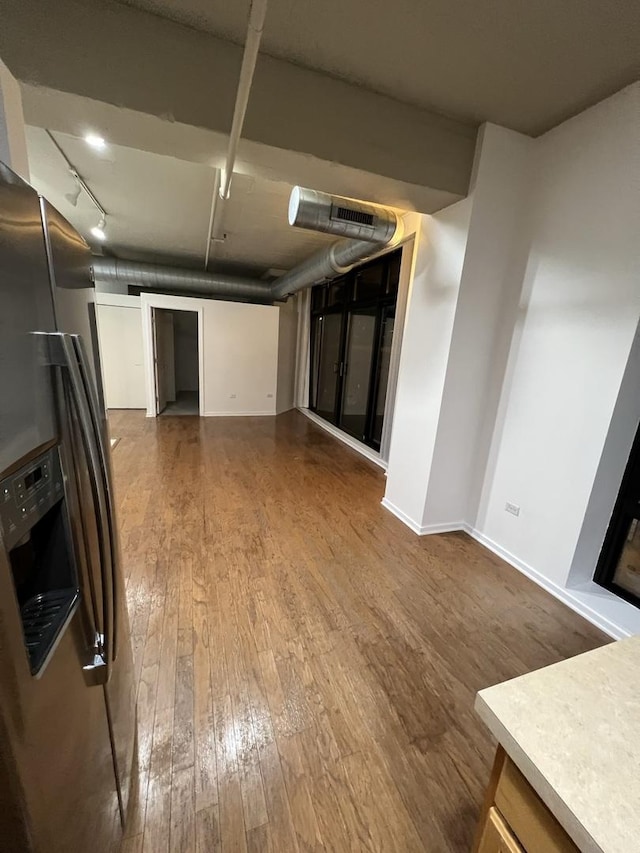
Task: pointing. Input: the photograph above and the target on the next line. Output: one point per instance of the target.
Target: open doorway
(176, 361)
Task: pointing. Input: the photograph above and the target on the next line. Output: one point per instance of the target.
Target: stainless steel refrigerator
(67, 696)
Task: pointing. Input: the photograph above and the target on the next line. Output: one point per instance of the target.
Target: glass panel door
(384, 361)
(361, 337)
(352, 325)
(327, 345)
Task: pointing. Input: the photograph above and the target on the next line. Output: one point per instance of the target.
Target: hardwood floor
(307, 665)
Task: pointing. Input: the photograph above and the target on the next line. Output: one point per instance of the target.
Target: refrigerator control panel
(27, 495)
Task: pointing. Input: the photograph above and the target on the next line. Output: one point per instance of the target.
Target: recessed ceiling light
(95, 141)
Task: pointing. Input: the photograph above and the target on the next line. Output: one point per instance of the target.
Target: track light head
(98, 230)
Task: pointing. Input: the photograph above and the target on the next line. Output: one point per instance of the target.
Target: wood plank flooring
(307, 665)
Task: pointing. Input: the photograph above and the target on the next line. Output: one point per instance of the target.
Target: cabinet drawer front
(497, 838)
(533, 824)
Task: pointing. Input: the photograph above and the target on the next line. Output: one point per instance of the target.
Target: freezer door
(27, 414)
(112, 619)
(120, 691)
(74, 299)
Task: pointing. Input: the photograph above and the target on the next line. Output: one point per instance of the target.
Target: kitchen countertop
(573, 730)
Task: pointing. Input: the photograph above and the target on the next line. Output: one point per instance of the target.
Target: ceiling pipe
(255, 27)
(344, 217)
(156, 277)
(212, 216)
(326, 264)
(257, 14)
(370, 229)
(379, 228)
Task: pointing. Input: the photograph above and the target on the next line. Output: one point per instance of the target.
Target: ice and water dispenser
(37, 539)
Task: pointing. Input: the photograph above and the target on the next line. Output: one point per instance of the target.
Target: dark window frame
(617, 531)
(386, 298)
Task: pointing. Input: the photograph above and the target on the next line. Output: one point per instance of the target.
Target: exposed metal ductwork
(369, 230)
(325, 265)
(344, 217)
(174, 279)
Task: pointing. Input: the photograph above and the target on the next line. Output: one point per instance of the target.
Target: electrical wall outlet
(514, 509)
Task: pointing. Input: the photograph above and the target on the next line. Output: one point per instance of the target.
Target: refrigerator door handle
(97, 671)
(62, 352)
(99, 426)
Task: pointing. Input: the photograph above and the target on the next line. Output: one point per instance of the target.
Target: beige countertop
(573, 729)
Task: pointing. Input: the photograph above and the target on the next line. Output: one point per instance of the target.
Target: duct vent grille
(349, 215)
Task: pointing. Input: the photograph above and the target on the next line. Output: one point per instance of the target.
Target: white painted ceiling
(158, 207)
(524, 64)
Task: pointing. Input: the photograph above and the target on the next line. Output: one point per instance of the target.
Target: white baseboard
(404, 518)
(420, 529)
(579, 600)
(240, 414)
(353, 443)
(428, 529)
(561, 593)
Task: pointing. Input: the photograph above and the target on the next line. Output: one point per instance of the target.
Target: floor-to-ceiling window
(352, 321)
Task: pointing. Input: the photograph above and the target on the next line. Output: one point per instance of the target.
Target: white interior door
(122, 356)
(163, 357)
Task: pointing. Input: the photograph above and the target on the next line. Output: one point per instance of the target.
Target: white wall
(13, 143)
(519, 376)
(121, 352)
(438, 258)
(238, 353)
(241, 358)
(287, 340)
(490, 286)
(571, 345)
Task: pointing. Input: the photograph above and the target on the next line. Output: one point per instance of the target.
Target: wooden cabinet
(496, 836)
(514, 819)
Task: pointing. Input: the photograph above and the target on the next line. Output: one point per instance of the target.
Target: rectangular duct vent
(348, 215)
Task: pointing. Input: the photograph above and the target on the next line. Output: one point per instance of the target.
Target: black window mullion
(626, 510)
(343, 358)
(374, 375)
(380, 302)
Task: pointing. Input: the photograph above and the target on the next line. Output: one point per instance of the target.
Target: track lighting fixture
(73, 196)
(98, 231)
(95, 141)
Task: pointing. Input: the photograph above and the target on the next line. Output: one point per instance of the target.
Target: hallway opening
(176, 361)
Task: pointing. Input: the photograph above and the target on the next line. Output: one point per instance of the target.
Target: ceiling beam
(125, 57)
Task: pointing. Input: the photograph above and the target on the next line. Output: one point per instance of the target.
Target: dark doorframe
(615, 570)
